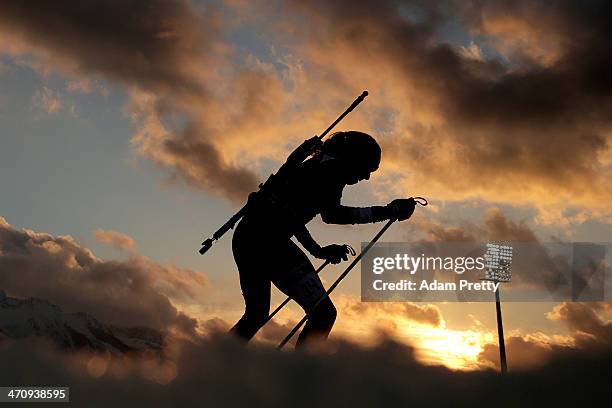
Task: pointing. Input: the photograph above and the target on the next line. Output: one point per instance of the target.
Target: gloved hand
(401, 209)
(257, 199)
(312, 143)
(304, 150)
(335, 253)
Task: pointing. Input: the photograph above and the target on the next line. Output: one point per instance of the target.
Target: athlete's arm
(400, 209)
(303, 236)
(332, 212)
(341, 214)
(334, 253)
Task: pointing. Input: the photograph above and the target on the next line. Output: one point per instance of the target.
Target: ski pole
(319, 269)
(333, 286)
(278, 309)
(419, 200)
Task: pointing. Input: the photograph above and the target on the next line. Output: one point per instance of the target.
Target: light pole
(500, 334)
(498, 261)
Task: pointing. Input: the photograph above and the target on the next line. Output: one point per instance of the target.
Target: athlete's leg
(297, 278)
(254, 282)
(256, 295)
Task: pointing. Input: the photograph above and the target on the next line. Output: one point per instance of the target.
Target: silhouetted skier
(262, 245)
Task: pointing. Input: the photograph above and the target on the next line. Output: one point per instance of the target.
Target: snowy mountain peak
(23, 318)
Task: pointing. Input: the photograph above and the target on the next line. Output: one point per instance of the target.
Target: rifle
(296, 157)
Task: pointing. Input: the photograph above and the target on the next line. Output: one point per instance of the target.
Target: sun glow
(453, 348)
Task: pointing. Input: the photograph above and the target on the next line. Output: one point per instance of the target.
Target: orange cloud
(477, 129)
(423, 314)
(117, 239)
(530, 129)
(135, 292)
(525, 32)
(48, 101)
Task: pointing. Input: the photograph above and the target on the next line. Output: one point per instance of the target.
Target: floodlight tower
(498, 261)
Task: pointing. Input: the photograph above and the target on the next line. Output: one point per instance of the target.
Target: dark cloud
(167, 49)
(536, 264)
(496, 127)
(199, 163)
(500, 228)
(135, 292)
(222, 372)
(524, 119)
(439, 233)
(273, 333)
(270, 334)
(588, 333)
(524, 352)
(152, 44)
(494, 226)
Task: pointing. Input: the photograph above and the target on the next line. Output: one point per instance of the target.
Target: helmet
(359, 150)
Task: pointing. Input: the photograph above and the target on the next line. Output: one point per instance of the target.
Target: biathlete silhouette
(310, 183)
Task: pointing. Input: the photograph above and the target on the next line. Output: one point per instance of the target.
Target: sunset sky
(131, 130)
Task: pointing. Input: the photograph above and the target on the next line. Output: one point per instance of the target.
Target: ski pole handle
(421, 201)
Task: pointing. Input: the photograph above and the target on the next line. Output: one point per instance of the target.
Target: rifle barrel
(356, 102)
